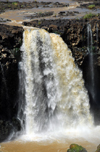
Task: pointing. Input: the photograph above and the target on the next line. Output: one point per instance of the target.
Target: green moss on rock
(76, 148)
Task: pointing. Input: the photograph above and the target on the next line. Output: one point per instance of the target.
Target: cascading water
(90, 51)
(97, 35)
(52, 92)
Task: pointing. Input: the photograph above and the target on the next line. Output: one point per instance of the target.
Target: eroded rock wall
(10, 42)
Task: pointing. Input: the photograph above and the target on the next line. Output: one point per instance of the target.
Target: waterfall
(51, 92)
(90, 51)
(97, 35)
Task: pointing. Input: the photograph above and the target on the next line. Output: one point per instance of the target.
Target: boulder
(53, 28)
(98, 148)
(76, 148)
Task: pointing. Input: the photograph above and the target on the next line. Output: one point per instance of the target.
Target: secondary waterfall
(90, 51)
(52, 92)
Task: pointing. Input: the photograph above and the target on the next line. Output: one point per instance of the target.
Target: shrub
(91, 6)
(90, 15)
(15, 3)
(76, 148)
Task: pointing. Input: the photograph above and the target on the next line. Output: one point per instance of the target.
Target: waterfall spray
(52, 92)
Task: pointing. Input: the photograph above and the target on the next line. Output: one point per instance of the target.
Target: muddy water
(19, 16)
(56, 146)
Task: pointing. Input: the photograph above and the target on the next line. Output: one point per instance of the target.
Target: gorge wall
(10, 42)
(74, 33)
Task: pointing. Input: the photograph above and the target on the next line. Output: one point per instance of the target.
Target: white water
(53, 99)
(97, 34)
(90, 50)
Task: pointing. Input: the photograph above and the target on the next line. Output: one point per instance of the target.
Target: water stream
(91, 55)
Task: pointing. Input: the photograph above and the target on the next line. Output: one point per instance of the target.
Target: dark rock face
(74, 33)
(10, 42)
(76, 36)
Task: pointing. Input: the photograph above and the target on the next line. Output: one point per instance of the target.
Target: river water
(45, 146)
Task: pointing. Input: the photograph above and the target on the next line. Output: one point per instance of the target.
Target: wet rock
(4, 20)
(74, 33)
(98, 148)
(62, 13)
(76, 148)
(53, 28)
(40, 14)
(10, 42)
(16, 124)
(66, 13)
(44, 27)
(27, 5)
(6, 129)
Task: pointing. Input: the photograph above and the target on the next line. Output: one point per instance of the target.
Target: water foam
(53, 100)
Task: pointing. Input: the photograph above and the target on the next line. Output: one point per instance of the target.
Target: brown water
(56, 146)
(19, 16)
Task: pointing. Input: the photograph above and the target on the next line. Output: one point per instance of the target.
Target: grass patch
(9, 5)
(90, 15)
(15, 3)
(91, 6)
(39, 22)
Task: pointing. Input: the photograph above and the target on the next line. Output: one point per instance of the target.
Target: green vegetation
(90, 15)
(9, 5)
(91, 6)
(39, 22)
(76, 148)
(15, 3)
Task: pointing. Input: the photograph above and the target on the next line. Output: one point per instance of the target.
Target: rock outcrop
(98, 148)
(76, 148)
(10, 42)
(74, 33)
